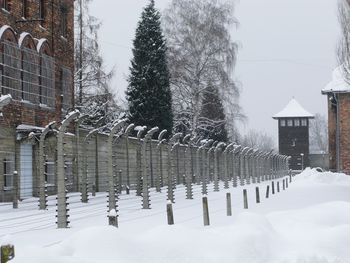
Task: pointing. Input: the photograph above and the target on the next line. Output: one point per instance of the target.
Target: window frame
(297, 122)
(282, 122)
(8, 171)
(304, 122)
(289, 122)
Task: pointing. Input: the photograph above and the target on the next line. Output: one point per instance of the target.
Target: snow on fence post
(126, 134)
(216, 165)
(112, 200)
(84, 178)
(170, 213)
(206, 219)
(159, 175)
(226, 154)
(171, 144)
(15, 190)
(7, 252)
(146, 169)
(228, 204)
(140, 130)
(42, 164)
(245, 199)
(267, 191)
(62, 211)
(257, 195)
(188, 175)
(113, 218)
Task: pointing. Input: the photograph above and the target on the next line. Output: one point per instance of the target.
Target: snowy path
(308, 222)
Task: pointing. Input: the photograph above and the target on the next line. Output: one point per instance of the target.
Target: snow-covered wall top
(293, 109)
(338, 83)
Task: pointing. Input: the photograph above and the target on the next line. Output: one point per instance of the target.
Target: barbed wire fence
(114, 166)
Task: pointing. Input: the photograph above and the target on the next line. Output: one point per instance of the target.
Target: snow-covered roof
(338, 83)
(293, 109)
(27, 128)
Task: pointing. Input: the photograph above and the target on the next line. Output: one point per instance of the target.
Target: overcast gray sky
(287, 48)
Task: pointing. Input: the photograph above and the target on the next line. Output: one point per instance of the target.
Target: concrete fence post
(159, 175)
(257, 195)
(206, 219)
(140, 131)
(112, 200)
(267, 191)
(62, 211)
(216, 166)
(170, 213)
(84, 177)
(42, 164)
(79, 161)
(273, 187)
(236, 161)
(15, 190)
(278, 186)
(126, 135)
(286, 183)
(188, 173)
(228, 204)
(113, 218)
(245, 199)
(146, 169)
(171, 145)
(226, 154)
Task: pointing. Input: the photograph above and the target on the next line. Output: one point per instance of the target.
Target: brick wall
(62, 49)
(344, 115)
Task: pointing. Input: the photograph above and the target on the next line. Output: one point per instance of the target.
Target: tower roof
(293, 109)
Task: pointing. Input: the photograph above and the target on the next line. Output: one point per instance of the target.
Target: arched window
(47, 75)
(67, 83)
(10, 64)
(30, 69)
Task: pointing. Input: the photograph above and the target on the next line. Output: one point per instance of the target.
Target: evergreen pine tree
(212, 118)
(148, 93)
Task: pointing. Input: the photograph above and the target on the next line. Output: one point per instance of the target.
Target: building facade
(338, 95)
(293, 134)
(36, 69)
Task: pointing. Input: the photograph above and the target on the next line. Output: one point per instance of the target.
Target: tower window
(296, 122)
(283, 123)
(290, 123)
(304, 122)
(64, 21)
(42, 11)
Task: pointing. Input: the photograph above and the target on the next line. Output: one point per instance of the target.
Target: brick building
(293, 134)
(36, 69)
(338, 94)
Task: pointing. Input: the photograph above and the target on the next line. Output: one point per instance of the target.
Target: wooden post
(245, 199)
(286, 182)
(257, 194)
(273, 187)
(278, 186)
(267, 191)
(284, 185)
(7, 253)
(170, 213)
(228, 204)
(205, 211)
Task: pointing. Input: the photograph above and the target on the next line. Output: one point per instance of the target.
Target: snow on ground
(307, 223)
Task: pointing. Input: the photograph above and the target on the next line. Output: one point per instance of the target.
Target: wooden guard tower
(293, 134)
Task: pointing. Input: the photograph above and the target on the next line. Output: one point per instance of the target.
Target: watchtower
(293, 134)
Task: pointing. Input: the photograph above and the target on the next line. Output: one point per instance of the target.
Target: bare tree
(344, 43)
(258, 140)
(92, 81)
(201, 52)
(319, 134)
